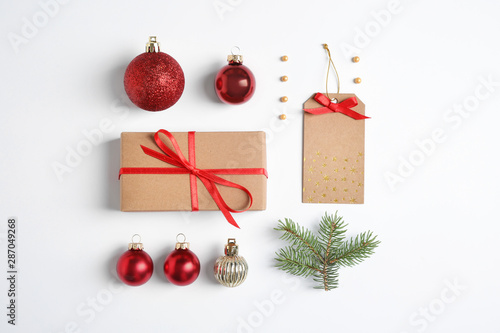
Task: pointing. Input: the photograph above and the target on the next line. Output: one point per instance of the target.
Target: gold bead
(284, 99)
(283, 116)
(284, 78)
(357, 80)
(284, 58)
(355, 59)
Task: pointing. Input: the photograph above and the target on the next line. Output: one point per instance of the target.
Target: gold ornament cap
(181, 245)
(237, 58)
(152, 46)
(231, 248)
(135, 245)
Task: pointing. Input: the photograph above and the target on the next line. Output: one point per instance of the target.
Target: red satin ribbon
(342, 107)
(192, 178)
(207, 176)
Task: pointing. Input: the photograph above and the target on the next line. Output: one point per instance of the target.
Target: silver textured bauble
(231, 270)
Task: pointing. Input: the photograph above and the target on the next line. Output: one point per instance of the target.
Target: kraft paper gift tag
(334, 149)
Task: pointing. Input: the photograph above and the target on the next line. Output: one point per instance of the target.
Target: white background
(437, 223)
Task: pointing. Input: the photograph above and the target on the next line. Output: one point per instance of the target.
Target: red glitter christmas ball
(154, 81)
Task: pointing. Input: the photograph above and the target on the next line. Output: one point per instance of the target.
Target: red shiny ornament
(154, 81)
(135, 266)
(182, 266)
(235, 83)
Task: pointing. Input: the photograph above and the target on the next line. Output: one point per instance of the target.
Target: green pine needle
(321, 256)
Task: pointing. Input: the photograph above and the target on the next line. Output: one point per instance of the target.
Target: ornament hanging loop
(237, 52)
(330, 63)
(136, 235)
(180, 235)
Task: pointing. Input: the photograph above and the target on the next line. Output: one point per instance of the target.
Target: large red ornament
(154, 81)
(182, 266)
(235, 83)
(135, 266)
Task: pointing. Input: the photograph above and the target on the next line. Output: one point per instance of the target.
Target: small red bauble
(182, 266)
(154, 81)
(135, 266)
(235, 83)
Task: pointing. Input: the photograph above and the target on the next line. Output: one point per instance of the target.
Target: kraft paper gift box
(210, 150)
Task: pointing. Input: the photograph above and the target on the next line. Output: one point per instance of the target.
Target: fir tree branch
(300, 237)
(321, 257)
(354, 251)
(296, 262)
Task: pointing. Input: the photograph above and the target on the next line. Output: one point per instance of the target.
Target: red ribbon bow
(207, 176)
(342, 107)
